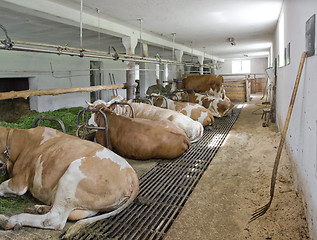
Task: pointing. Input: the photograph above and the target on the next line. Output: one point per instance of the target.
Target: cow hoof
(31, 210)
(38, 209)
(3, 221)
(17, 227)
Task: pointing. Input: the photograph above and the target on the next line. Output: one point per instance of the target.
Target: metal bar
(81, 24)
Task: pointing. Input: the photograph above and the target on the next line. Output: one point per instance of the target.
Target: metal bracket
(159, 96)
(43, 118)
(85, 125)
(142, 100)
(184, 91)
(124, 103)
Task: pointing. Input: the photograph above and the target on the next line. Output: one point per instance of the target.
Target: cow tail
(84, 222)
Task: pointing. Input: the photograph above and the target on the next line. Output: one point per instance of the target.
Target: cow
(138, 138)
(192, 110)
(74, 178)
(207, 83)
(193, 129)
(218, 106)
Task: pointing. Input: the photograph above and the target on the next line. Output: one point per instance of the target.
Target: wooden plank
(40, 92)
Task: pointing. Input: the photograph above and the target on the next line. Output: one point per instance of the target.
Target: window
(241, 66)
(281, 41)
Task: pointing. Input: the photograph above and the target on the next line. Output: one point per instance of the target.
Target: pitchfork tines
(260, 211)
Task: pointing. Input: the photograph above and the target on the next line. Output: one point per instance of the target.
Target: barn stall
(43, 73)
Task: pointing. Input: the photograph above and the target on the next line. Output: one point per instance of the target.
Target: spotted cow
(74, 178)
(193, 129)
(192, 110)
(218, 106)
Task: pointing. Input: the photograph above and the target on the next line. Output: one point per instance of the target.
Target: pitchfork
(262, 210)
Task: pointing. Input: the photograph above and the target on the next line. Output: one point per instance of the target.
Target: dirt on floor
(234, 185)
(237, 182)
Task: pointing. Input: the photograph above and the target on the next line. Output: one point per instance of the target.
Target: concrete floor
(237, 182)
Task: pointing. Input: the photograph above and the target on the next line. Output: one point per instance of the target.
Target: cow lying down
(138, 138)
(193, 129)
(218, 106)
(192, 110)
(74, 178)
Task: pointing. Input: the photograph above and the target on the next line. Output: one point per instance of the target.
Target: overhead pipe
(141, 43)
(71, 51)
(81, 24)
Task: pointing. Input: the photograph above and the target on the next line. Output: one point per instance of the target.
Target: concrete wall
(37, 67)
(301, 140)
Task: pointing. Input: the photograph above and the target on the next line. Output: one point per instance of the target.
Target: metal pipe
(59, 50)
(141, 43)
(81, 24)
(173, 50)
(72, 70)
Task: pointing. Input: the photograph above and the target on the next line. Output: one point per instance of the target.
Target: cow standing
(75, 178)
(207, 83)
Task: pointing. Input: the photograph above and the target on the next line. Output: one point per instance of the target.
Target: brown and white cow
(138, 138)
(218, 106)
(209, 83)
(193, 129)
(74, 178)
(192, 110)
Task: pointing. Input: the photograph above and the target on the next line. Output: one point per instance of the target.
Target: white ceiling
(202, 25)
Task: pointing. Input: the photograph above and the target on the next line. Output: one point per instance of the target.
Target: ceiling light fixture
(231, 40)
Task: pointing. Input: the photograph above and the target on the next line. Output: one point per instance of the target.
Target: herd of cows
(76, 179)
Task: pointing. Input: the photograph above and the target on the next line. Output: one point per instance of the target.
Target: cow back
(138, 138)
(204, 83)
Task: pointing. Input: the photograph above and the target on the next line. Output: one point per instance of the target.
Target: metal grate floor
(163, 191)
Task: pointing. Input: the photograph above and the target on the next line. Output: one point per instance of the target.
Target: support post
(201, 62)
(130, 44)
(179, 68)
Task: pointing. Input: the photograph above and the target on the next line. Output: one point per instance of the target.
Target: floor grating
(163, 191)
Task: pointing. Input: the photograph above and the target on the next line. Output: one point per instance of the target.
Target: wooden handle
(286, 124)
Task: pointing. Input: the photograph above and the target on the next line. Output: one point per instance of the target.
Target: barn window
(281, 41)
(241, 66)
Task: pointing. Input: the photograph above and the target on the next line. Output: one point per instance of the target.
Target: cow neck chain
(8, 143)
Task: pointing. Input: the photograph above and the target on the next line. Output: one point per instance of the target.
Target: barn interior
(257, 46)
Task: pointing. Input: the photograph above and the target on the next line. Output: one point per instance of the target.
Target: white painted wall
(32, 66)
(258, 65)
(225, 67)
(301, 140)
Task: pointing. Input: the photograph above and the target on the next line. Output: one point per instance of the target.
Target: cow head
(5, 144)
